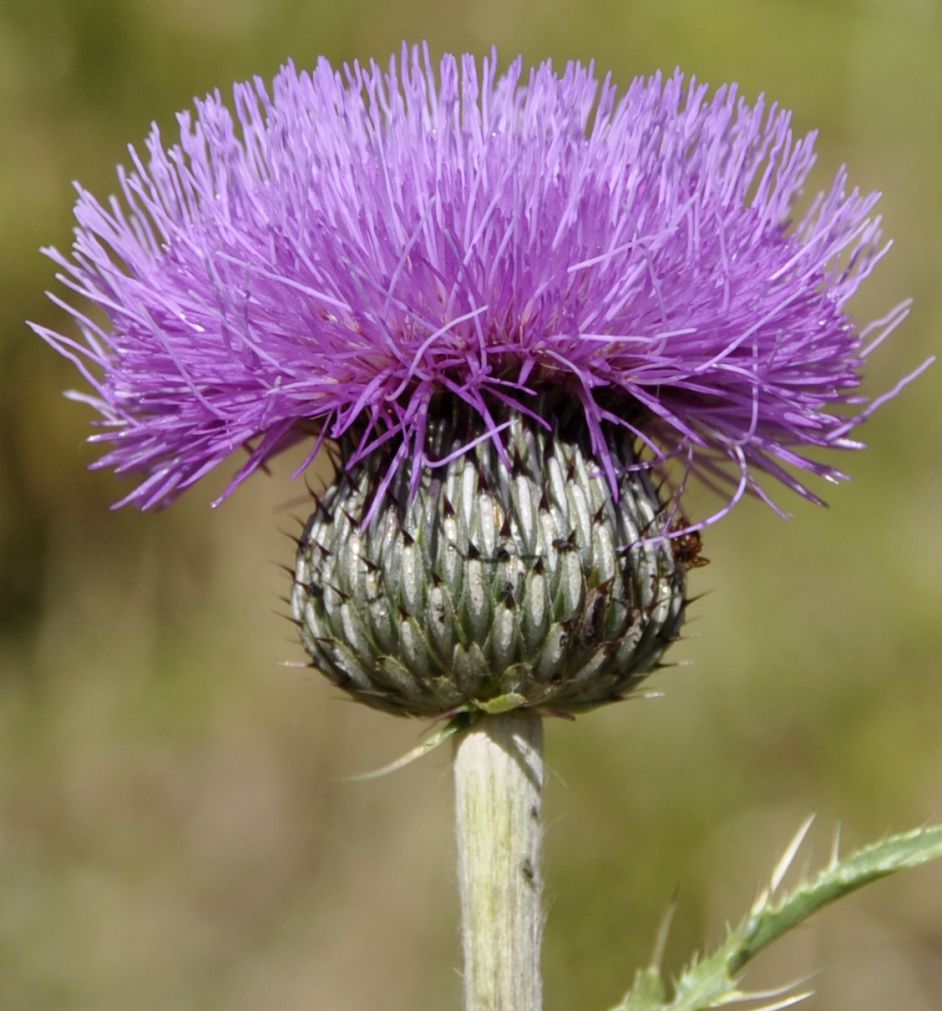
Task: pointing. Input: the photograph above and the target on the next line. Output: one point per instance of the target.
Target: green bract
(490, 586)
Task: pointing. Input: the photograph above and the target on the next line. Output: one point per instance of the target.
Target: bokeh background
(174, 829)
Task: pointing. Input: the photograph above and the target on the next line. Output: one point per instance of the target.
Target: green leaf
(436, 738)
(713, 982)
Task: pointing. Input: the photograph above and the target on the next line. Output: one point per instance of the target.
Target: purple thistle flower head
(349, 247)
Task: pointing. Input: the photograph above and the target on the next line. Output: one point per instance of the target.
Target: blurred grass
(172, 831)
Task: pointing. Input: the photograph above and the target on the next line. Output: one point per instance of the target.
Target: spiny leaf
(713, 982)
(838, 879)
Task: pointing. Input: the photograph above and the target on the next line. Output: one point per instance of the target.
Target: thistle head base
(530, 581)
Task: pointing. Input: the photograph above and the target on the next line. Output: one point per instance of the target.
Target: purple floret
(351, 244)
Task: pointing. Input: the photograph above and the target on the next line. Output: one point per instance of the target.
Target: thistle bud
(497, 583)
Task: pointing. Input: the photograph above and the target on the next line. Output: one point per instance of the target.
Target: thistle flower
(525, 309)
(517, 302)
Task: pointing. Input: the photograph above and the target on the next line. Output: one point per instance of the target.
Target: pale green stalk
(498, 785)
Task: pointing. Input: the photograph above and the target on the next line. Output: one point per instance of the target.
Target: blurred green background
(174, 833)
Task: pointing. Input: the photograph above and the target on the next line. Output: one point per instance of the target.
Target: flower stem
(498, 784)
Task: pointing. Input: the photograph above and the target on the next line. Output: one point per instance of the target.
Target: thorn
(289, 618)
(781, 868)
(787, 1000)
(297, 541)
(836, 846)
(333, 454)
(370, 565)
(562, 714)
(697, 597)
(565, 543)
(394, 499)
(306, 477)
(663, 932)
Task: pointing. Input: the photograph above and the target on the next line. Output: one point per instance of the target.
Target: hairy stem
(498, 784)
